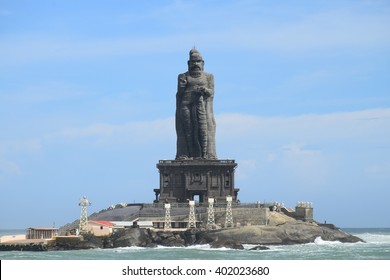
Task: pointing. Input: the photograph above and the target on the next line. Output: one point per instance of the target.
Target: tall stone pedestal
(183, 180)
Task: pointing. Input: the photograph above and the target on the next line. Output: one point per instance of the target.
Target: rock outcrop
(280, 230)
(295, 232)
(292, 232)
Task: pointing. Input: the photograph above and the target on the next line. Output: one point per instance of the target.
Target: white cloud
(9, 168)
(361, 126)
(141, 132)
(33, 145)
(247, 168)
(308, 166)
(295, 149)
(378, 169)
(271, 157)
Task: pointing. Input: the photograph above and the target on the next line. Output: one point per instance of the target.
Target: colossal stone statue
(195, 123)
(196, 174)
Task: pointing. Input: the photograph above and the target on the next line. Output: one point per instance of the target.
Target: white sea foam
(200, 247)
(374, 238)
(221, 249)
(194, 247)
(320, 241)
(127, 249)
(160, 247)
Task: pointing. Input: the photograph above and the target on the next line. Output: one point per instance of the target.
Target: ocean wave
(200, 247)
(160, 247)
(195, 247)
(127, 249)
(320, 241)
(375, 238)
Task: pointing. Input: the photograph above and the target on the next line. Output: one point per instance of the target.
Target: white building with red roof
(100, 228)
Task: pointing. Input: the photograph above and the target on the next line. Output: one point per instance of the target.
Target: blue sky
(87, 102)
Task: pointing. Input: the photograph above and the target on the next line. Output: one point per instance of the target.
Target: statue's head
(196, 63)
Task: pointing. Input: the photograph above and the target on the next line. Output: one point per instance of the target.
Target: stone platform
(196, 179)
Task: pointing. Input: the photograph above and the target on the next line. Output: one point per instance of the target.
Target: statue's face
(195, 64)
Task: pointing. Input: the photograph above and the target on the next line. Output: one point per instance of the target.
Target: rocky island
(280, 230)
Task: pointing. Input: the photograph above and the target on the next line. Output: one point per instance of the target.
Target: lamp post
(83, 225)
(229, 212)
(210, 214)
(191, 216)
(167, 219)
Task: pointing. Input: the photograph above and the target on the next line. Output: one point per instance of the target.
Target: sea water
(376, 247)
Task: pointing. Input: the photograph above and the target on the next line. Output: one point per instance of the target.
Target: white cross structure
(229, 212)
(210, 214)
(83, 226)
(167, 220)
(191, 216)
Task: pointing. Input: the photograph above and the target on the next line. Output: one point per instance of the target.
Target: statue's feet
(212, 157)
(182, 157)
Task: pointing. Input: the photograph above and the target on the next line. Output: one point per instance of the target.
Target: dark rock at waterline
(227, 244)
(131, 237)
(259, 248)
(24, 247)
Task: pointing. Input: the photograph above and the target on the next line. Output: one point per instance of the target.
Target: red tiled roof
(104, 223)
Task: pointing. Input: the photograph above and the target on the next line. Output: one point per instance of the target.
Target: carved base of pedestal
(195, 179)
